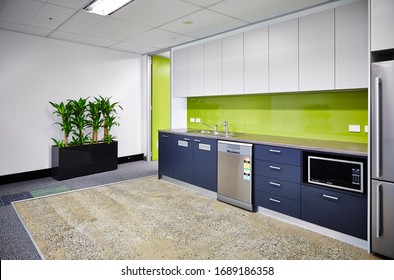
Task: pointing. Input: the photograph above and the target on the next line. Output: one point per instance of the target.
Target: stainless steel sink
(217, 133)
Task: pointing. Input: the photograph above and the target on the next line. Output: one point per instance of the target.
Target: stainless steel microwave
(345, 174)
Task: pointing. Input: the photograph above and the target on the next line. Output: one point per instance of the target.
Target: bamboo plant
(79, 115)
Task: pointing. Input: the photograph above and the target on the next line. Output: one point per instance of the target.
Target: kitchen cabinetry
(283, 56)
(213, 67)
(335, 209)
(256, 61)
(166, 164)
(179, 63)
(195, 70)
(205, 163)
(188, 159)
(382, 22)
(183, 158)
(233, 59)
(277, 179)
(351, 46)
(316, 51)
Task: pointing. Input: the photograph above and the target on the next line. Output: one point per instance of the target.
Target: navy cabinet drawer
(277, 203)
(277, 187)
(278, 154)
(339, 211)
(280, 171)
(205, 163)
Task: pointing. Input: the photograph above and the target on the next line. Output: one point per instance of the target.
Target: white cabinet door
(256, 61)
(233, 72)
(351, 45)
(213, 67)
(382, 23)
(317, 51)
(283, 56)
(179, 79)
(195, 70)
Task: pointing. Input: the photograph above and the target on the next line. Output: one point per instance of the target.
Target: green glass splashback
(321, 115)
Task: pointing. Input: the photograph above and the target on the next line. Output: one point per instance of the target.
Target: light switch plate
(192, 120)
(354, 128)
(198, 120)
(366, 129)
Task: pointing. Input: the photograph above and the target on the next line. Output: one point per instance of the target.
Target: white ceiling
(143, 26)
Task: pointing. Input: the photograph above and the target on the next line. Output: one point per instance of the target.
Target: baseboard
(42, 173)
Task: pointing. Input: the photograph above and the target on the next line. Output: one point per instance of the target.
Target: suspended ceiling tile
(20, 11)
(203, 3)
(83, 39)
(127, 32)
(133, 48)
(37, 31)
(51, 16)
(203, 23)
(257, 10)
(105, 27)
(159, 39)
(169, 13)
(81, 21)
(74, 4)
(12, 26)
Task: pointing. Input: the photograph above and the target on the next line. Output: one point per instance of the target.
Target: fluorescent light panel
(106, 7)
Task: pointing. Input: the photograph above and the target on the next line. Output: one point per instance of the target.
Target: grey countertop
(350, 148)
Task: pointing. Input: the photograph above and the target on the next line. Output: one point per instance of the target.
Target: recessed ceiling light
(188, 22)
(105, 7)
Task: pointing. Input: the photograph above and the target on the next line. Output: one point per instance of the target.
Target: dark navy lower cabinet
(183, 158)
(166, 154)
(205, 163)
(277, 203)
(337, 210)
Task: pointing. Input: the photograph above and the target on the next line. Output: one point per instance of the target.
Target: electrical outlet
(354, 128)
(192, 120)
(366, 130)
(198, 120)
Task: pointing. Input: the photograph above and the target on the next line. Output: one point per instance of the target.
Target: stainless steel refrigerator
(382, 155)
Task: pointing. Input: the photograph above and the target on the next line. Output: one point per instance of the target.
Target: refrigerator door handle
(378, 210)
(377, 125)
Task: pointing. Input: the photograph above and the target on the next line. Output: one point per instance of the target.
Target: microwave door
(382, 120)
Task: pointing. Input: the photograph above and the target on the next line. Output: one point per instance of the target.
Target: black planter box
(71, 162)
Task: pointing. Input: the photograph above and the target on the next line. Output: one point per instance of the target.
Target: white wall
(35, 70)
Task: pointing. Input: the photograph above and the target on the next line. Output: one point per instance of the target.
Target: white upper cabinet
(382, 23)
(213, 67)
(317, 51)
(233, 60)
(283, 56)
(195, 70)
(351, 45)
(179, 79)
(256, 61)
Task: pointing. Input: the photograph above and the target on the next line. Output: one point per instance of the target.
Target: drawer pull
(275, 151)
(164, 136)
(330, 197)
(274, 200)
(275, 167)
(186, 139)
(275, 184)
(196, 140)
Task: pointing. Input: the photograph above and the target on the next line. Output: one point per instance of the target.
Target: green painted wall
(160, 88)
(319, 115)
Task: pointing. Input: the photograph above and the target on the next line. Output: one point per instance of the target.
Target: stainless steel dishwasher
(235, 174)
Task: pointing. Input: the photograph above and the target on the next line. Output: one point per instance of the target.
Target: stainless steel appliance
(382, 154)
(346, 173)
(235, 174)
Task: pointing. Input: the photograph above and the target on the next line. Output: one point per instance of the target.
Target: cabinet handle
(274, 200)
(196, 140)
(378, 222)
(377, 125)
(186, 139)
(164, 136)
(275, 151)
(275, 184)
(330, 197)
(275, 167)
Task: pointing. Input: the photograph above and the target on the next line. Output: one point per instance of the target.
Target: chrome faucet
(225, 123)
(215, 127)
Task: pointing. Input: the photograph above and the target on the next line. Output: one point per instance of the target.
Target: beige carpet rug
(153, 219)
